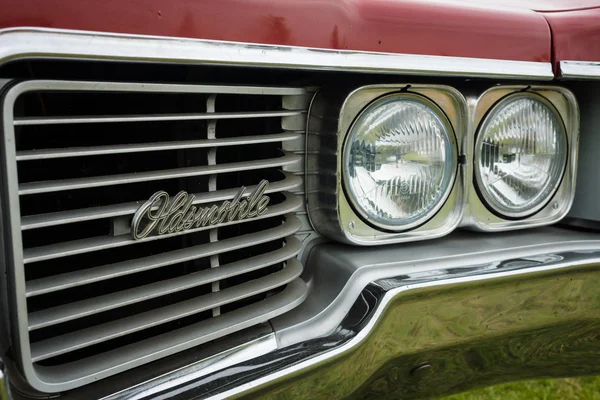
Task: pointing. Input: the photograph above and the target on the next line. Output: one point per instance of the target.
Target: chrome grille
(91, 300)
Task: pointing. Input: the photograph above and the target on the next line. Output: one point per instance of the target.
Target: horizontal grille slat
(64, 281)
(156, 347)
(121, 179)
(90, 336)
(95, 305)
(290, 181)
(145, 87)
(151, 118)
(161, 146)
(64, 249)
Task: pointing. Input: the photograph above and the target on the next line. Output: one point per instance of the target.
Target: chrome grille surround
(281, 289)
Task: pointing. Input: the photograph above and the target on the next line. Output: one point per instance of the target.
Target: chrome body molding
(580, 69)
(532, 310)
(54, 43)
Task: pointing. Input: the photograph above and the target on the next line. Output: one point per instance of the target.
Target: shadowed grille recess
(87, 156)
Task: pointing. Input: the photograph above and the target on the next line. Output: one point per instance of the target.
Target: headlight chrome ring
(520, 155)
(399, 161)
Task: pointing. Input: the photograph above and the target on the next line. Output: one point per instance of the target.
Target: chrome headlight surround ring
(486, 197)
(482, 216)
(330, 211)
(451, 136)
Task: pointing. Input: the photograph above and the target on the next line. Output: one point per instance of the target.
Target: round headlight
(399, 161)
(520, 155)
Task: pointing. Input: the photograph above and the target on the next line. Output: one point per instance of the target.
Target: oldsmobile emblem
(160, 215)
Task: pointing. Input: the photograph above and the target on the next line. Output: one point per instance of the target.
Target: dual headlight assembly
(390, 163)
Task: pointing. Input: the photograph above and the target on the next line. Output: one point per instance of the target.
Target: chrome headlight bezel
(330, 210)
(451, 135)
(480, 215)
(486, 197)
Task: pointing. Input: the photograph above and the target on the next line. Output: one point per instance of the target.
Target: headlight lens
(520, 155)
(399, 161)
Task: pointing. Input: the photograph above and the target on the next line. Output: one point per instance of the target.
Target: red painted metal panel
(403, 26)
(576, 35)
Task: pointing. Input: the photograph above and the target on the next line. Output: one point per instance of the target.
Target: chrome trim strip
(580, 69)
(57, 43)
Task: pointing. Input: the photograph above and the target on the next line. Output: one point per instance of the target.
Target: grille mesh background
(87, 155)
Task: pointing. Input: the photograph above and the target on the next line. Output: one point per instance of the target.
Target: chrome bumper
(418, 320)
(433, 334)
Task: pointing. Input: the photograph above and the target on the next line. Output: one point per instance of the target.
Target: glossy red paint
(446, 28)
(576, 35)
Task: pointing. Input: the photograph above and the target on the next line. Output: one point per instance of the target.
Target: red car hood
(408, 26)
(575, 26)
(509, 30)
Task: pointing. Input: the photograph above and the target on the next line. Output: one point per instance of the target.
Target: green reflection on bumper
(534, 325)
